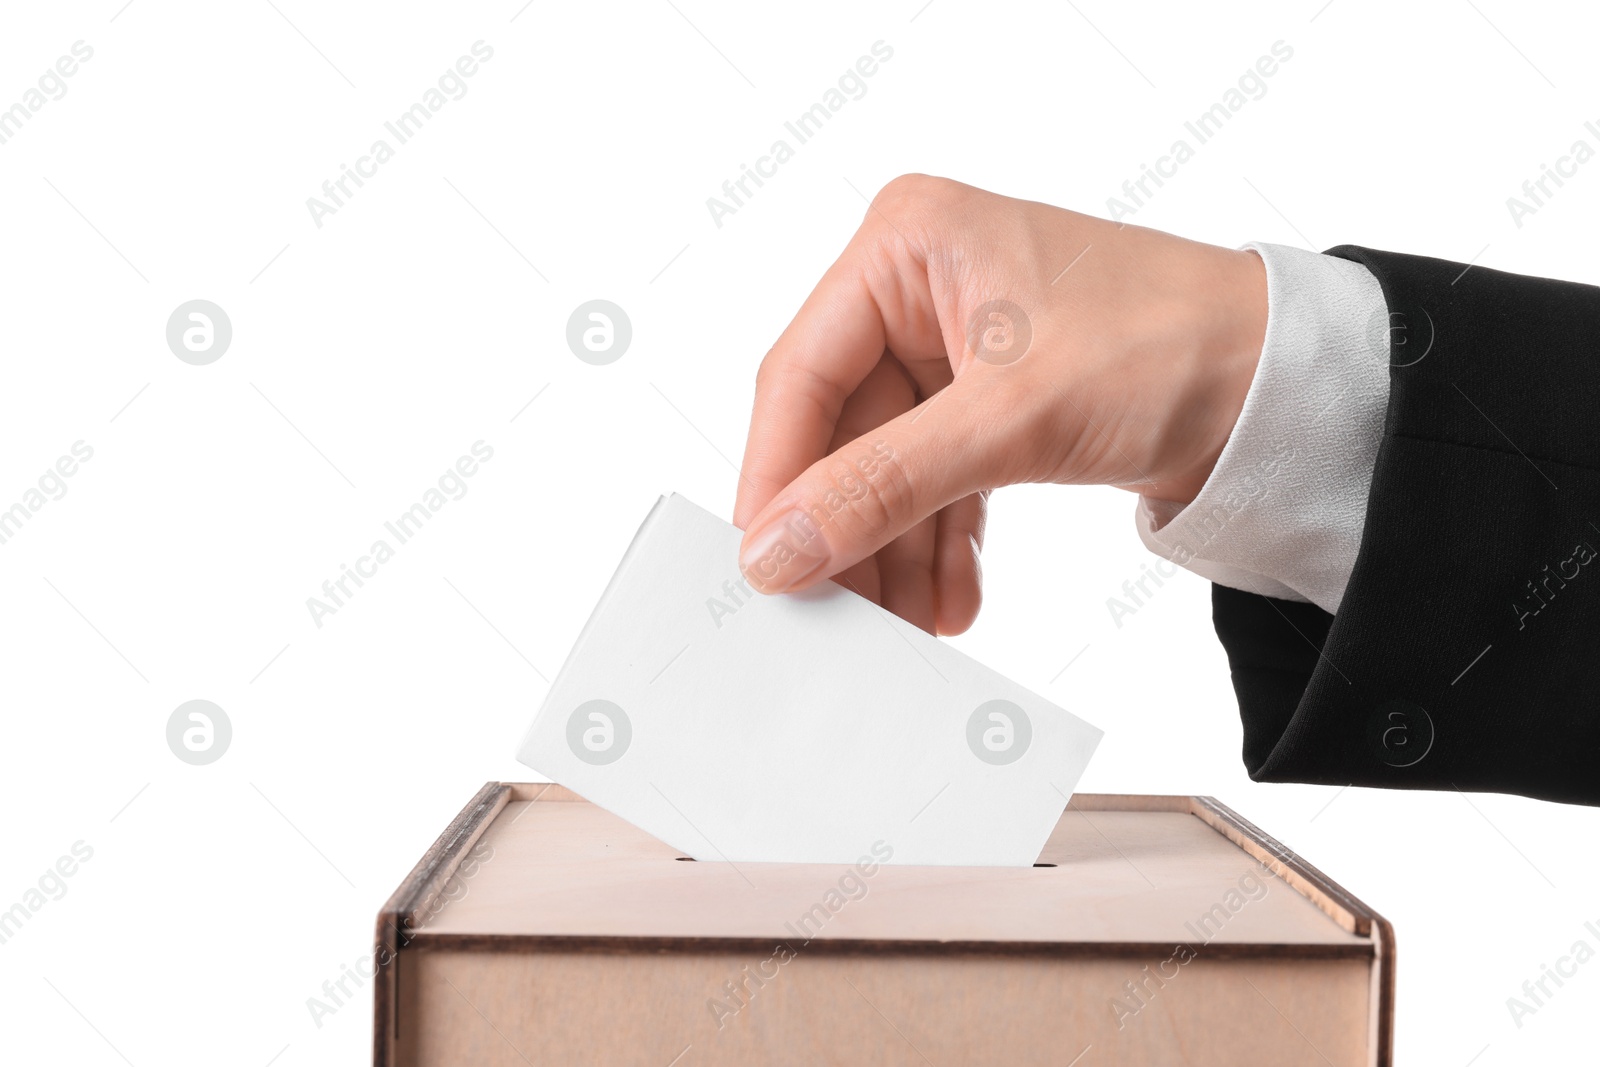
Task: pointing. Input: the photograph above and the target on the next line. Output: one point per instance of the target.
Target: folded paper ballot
(810, 727)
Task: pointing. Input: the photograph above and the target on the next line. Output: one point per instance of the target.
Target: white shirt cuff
(1283, 510)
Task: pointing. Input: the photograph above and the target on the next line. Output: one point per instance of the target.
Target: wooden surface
(511, 1009)
(572, 869)
(539, 928)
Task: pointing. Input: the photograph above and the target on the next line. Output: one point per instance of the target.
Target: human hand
(966, 341)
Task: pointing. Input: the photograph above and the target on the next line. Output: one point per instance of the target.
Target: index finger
(863, 305)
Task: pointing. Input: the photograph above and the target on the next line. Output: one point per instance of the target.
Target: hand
(966, 341)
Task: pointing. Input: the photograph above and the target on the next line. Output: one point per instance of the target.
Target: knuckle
(910, 189)
(915, 199)
(791, 381)
(876, 504)
(765, 370)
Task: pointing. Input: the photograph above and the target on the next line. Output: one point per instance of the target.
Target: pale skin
(876, 419)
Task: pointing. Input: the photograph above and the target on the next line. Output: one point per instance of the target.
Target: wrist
(1226, 318)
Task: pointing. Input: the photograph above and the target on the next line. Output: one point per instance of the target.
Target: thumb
(847, 505)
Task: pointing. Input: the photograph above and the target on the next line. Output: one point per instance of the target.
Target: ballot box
(541, 929)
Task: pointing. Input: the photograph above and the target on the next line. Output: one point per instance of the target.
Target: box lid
(535, 864)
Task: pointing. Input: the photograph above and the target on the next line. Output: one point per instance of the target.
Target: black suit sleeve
(1466, 650)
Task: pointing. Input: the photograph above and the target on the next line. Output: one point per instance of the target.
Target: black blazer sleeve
(1466, 651)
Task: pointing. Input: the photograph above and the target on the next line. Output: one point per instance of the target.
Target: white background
(370, 353)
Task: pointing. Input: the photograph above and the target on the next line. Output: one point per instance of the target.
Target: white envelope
(810, 727)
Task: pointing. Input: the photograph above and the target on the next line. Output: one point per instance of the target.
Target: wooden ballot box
(541, 929)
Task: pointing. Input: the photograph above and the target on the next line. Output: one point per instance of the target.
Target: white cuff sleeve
(1283, 510)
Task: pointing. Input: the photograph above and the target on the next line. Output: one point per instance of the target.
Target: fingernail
(783, 552)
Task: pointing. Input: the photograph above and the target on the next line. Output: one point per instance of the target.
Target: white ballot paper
(810, 727)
